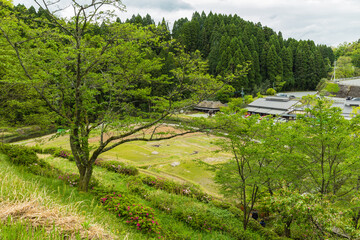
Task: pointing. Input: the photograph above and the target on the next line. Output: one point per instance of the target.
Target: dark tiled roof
(209, 105)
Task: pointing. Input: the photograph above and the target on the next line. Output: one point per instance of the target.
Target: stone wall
(346, 90)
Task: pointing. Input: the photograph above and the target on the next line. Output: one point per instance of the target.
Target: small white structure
(174, 164)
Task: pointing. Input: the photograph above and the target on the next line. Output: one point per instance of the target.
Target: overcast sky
(330, 22)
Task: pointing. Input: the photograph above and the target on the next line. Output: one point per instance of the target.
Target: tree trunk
(356, 220)
(80, 151)
(85, 176)
(287, 228)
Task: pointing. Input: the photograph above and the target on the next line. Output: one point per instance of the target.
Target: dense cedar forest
(227, 41)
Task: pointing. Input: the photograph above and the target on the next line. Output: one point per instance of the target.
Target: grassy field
(48, 204)
(194, 152)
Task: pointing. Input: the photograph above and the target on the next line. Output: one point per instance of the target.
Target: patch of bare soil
(40, 216)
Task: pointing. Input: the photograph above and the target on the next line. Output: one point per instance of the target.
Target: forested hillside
(227, 40)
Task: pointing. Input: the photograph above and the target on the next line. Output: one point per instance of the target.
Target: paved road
(354, 82)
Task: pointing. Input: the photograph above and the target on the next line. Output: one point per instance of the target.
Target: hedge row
(114, 166)
(24, 156)
(55, 151)
(118, 167)
(170, 186)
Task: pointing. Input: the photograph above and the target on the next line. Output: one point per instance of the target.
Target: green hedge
(114, 166)
(170, 186)
(55, 151)
(19, 155)
(118, 167)
(24, 156)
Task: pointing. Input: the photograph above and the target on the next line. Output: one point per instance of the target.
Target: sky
(330, 22)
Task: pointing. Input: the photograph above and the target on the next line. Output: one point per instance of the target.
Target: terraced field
(194, 156)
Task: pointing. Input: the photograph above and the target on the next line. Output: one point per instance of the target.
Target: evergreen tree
(147, 20)
(256, 66)
(274, 66)
(263, 61)
(274, 41)
(301, 66)
(288, 76)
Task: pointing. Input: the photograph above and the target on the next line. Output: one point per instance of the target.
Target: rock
(156, 145)
(174, 164)
(155, 153)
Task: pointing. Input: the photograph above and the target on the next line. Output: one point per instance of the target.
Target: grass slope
(43, 202)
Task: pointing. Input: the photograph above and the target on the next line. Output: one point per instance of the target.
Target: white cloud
(325, 21)
(165, 5)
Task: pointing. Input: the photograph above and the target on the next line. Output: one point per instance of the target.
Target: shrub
(143, 218)
(36, 149)
(176, 188)
(135, 185)
(221, 204)
(56, 152)
(25, 156)
(59, 152)
(50, 150)
(270, 91)
(19, 155)
(118, 167)
(44, 169)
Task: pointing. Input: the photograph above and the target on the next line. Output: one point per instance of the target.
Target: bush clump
(24, 156)
(137, 215)
(19, 155)
(176, 188)
(54, 151)
(118, 167)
